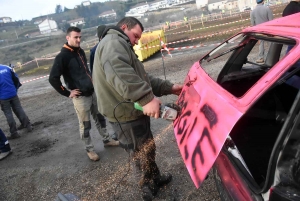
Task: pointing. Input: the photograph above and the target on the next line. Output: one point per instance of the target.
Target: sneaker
(93, 156)
(261, 60)
(4, 154)
(163, 179)
(111, 142)
(14, 136)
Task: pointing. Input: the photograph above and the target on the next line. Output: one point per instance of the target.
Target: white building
(76, 22)
(201, 3)
(242, 4)
(216, 4)
(5, 19)
(155, 5)
(111, 14)
(47, 26)
(140, 8)
(86, 3)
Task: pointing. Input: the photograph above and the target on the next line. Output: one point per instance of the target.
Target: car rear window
(234, 64)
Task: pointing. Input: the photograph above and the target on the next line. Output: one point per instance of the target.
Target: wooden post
(202, 22)
(37, 63)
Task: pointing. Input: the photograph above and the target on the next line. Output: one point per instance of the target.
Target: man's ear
(123, 27)
(67, 37)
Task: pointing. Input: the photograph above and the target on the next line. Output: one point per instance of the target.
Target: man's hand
(152, 108)
(75, 93)
(176, 89)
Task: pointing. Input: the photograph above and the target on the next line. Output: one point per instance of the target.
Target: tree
(58, 9)
(66, 9)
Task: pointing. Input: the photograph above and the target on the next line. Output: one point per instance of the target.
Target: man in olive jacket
(120, 80)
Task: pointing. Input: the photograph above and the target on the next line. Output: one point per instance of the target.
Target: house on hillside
(140, 8)
(47, 26)
(5, 19)
(216, 4)
(86, 3)
(155, 5)
(231, 4)
(76, 22)
(110, 14)
(201, 3)
(242, 4)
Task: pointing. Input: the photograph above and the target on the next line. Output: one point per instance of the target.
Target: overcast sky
(28, 9)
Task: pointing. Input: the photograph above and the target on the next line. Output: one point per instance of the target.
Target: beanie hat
(259, 1)
(100, 30)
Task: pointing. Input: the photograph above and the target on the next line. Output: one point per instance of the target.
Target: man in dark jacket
(5, 149)
(120, 80)
(9, 84)
(71, 63)
(100, 30)
(292, 8)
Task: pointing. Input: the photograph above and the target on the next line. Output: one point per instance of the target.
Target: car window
(234, 64)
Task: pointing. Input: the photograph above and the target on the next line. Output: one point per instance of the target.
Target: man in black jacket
(71, 63)
(292, 8)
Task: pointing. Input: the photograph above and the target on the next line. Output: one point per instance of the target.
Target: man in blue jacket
(9, 84)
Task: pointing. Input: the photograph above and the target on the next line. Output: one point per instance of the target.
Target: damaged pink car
(242, 118)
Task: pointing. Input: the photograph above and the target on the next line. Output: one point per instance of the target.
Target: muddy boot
(163, 179)
(14, 136)
(149, 191)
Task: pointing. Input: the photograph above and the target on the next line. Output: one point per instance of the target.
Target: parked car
(242, 118)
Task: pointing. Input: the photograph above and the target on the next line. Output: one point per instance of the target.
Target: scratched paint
(205, 121)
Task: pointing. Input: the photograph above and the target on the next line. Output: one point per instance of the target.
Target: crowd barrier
(150, 39)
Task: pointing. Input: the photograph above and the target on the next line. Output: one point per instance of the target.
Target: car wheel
(222, 192)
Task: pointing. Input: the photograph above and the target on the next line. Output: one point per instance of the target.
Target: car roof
(284, 26)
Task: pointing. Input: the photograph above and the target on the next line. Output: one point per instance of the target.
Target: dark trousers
(13, 104)
(4, 145)
(137, 139)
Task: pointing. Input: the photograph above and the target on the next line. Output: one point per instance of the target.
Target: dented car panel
(245, 121)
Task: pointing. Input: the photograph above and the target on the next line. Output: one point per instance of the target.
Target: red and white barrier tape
(34, 79)
(185, 40)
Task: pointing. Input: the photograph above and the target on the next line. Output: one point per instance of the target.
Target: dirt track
(51, 158)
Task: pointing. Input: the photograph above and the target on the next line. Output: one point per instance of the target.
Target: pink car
(242, 118)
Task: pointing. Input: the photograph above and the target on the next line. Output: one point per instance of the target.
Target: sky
(28, 9)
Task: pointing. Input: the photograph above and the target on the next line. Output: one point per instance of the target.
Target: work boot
(4, 154)
(114, 137)
(14, 136)
(29, 127)
(111, 142)
(93, 156)
(163, 179)
(20, 127)
(261, 60)
(149, 191)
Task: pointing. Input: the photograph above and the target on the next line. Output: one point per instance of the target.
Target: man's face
(74, 39)
(133, 34)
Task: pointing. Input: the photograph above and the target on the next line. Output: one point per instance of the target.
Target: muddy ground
(52, 159)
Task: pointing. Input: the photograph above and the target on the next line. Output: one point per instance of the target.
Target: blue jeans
(13, 104)
(4, 145)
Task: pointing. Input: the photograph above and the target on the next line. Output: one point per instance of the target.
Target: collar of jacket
(122, 34)
(72, 49)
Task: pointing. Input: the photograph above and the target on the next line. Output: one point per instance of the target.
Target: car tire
(222, 192)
